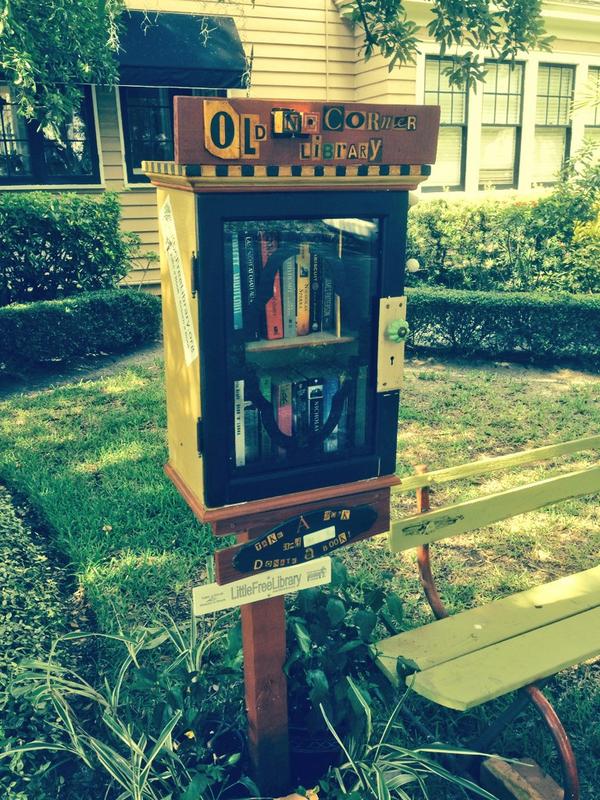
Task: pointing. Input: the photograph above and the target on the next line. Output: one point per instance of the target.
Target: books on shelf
(302, 299)
(301, 405)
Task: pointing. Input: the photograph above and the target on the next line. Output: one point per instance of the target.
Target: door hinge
(195, 273)
(200, 435)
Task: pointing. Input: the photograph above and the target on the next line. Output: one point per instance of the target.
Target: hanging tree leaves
(462, 28)
(48, 48)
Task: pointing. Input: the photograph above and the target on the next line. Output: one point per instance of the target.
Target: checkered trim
(281, 171)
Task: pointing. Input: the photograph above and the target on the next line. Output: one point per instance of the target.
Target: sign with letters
(213, 597)
(304, 538)
(247, 131)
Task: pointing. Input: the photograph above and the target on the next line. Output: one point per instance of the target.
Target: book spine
(315, 404)
(284, 409)
(251, 430)
(289, 297)
(274, 306)
(266, 445)
(300, 407)
(316, 293)
(303, 291)
(238, 316)
(249, 274)
(332, 384)
(238, 423)
(328, 321)
(360, 407)
(346, 417)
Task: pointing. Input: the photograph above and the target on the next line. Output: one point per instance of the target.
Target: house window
(147, 114)
(501, 125)
(553, 121)
(592, 128)
(30, 155)
(449, 170)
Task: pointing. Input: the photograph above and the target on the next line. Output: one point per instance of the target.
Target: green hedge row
(59, 245)
(549, 244)
(107, 321)
(501, 324)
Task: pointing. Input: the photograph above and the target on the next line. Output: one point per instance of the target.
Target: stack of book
(303, 297)
(301, 405)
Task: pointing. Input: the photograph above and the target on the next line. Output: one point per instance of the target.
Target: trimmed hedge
(520, 325)
(107, 321)
(59, 245)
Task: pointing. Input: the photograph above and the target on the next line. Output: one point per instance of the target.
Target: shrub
(32, 613)
(526, 325)
(107, 321)
(549, 244)
(55, 246)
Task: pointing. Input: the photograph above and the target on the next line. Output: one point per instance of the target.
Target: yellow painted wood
(481, 676)
(182, 381)
(487, 465)
(463, 517)
(494, 622)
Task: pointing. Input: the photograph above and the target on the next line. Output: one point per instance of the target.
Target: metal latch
(393, 330)
(200, 435)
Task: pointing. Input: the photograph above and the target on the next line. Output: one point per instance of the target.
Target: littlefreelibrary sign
(213, 597)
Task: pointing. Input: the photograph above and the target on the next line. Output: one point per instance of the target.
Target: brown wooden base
(242, 517)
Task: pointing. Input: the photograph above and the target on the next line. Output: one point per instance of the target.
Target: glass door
(301, 295)
(289, 286)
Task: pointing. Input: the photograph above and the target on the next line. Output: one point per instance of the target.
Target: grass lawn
(88, 456)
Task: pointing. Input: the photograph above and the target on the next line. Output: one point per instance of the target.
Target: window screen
(33, 155)
(449, 169)
(553, 120)
(501, 125)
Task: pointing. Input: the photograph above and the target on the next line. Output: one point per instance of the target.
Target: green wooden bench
(478, 655)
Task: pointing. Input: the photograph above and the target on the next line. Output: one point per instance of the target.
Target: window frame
(132, 178)
(595, 125)
(568, 128)
(460, 187)
(35, 139)
(518, 126)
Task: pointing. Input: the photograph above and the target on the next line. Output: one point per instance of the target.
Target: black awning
(167, 49)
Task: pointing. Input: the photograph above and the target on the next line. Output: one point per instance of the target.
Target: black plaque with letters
(305, 537)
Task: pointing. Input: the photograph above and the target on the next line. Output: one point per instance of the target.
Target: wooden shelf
(310, 340)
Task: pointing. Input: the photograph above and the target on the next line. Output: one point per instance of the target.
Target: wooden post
(263, 639)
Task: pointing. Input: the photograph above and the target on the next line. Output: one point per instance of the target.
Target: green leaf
(365, 621)
(395, 606)
(319, 685)
(336, 610)
(302, 637)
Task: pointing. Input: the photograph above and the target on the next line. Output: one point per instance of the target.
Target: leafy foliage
(377, 769)
(57, 245)
(329, 636)
(525, 325)
(549, 244)
(49, 47)
(155, 731)
(504, 29)
(32, 613)
(107, 321)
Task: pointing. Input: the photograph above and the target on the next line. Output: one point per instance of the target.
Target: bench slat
(463, 517)
(486, 674)
(477, 628)
(486, 465)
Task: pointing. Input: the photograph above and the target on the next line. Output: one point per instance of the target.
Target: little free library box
(282, 239)
(282, 245)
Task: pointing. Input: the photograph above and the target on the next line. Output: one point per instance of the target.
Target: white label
(316, 537)
(213, 597)
(182, 303)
